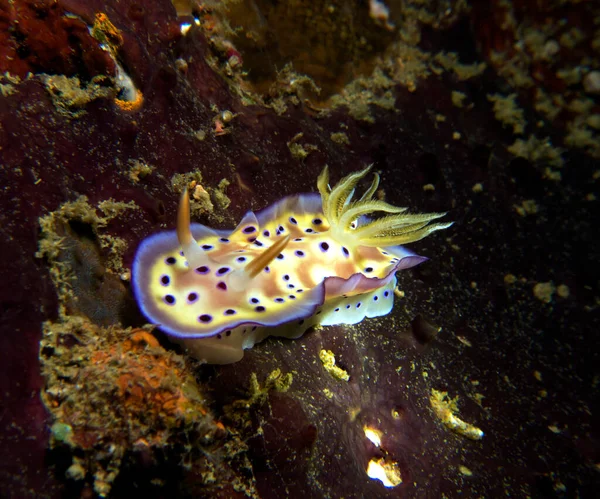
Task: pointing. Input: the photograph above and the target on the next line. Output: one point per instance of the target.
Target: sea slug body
(308, 259)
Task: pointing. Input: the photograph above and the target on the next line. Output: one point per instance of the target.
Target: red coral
(39, 36)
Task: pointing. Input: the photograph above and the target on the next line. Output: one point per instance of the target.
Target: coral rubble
(115, 393)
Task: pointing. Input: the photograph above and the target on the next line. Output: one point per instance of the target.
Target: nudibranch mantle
(308, 259)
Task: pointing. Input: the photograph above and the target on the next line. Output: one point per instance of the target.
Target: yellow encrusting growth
(446, 408)
(343, 213)
(328, 359)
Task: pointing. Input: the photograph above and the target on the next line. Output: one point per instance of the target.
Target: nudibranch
(308, 259)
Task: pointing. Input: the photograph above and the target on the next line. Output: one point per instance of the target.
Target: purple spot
(260, 308)
(317, 221)
(324, 246)
(291, 286)
(266, 233)
(291, 297)
(170, 299)
(181, 252)
(228, 332)
(254, 328)
(223, 270)
(286, 277)
(229, 311)
(375, 298)
(337, 310)
(254, 300)
(224, 240)
(384, 253)
(309, 231)
(279, 300)
(258, 243)
(170, 261)
(386, 293)
(222, 286)
(249, 230)
(293, 220)
(192, 297)
(165, 280)
(241, 258)
(251, 239)
(347, 306)
(299, 291)
(358, 305)
(299, 253)
(298, 239)
(219, 337)
(369, 269)
(207, 247)
(267, 269)
(281, 228)
(203, 270)
(345, 251)
(205, 318)
(280, 256)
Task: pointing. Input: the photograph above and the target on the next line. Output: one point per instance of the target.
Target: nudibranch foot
(307, 260)
(229, 347)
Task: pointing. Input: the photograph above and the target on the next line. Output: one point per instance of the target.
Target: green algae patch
(70, 95)
(205, 201)
(85, 261)
(300, 151)
(258, 394)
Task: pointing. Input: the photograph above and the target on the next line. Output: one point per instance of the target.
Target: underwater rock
(44, 37)
(518, 368)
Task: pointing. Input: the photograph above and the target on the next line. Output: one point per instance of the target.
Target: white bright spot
(373, 435)
(319, 272)
(128, 91)
(185, 27)
(387, 473)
